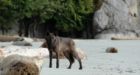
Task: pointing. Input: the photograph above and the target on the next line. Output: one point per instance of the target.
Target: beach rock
(26, 51)
(37, 54)
(111, 50)
(18, 65)
(116, 17)
(23, 41)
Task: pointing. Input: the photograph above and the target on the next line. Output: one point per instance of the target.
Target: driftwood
(7, 38)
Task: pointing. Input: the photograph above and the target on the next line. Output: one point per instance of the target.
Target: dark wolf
(58, 44)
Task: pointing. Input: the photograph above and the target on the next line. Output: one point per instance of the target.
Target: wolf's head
(49, 39)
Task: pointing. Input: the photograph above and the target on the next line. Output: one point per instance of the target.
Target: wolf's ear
(56, 33)
(46, 36)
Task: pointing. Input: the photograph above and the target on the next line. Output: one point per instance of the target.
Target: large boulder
(139, 9)
(18, 65)
(117, 17)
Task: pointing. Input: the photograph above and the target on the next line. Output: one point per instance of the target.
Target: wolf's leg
(50, 57)
(57, 60)
(75, 54)
(69, 56)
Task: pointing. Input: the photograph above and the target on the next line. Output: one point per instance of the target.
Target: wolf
(58, 44)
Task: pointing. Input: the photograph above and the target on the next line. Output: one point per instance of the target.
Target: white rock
(37, 54)
(117, 17)
(26, 51)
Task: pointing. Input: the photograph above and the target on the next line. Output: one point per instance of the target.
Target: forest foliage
(65, 15)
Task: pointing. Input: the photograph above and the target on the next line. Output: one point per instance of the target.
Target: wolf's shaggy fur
(65, 45)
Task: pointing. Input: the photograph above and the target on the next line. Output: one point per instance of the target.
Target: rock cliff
(117, 18)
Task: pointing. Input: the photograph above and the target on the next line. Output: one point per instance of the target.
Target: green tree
(6, 16)
(64, 15)
(69, 14)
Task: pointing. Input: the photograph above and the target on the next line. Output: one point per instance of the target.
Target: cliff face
(139, 10)
(117, 17)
